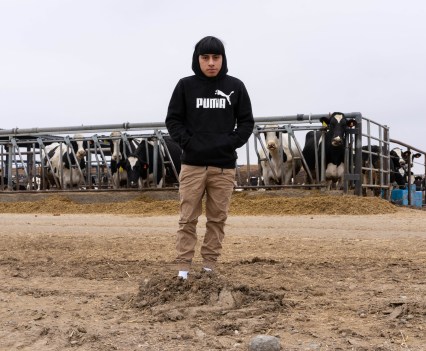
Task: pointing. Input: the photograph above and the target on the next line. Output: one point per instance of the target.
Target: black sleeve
(244, 117)
(175, 119)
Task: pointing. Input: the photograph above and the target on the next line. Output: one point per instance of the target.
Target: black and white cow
(65, 165)
(334, 139)
(419, 182)
(35, 184)
(15, 185)
(404, 156)
(406, 159)
(277, 166)
(399, 167)
(120, 150)
(406, 162)
(140, 164)
(4, 184)
(396, 164)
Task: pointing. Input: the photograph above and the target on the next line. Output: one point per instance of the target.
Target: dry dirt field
(95, 272)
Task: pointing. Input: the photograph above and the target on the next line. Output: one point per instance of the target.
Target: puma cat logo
(221, 93)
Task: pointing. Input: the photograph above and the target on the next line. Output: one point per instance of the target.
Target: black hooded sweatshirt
(210, 117)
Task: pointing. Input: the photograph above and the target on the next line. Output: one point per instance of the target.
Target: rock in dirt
(397, 312)
(264, 343)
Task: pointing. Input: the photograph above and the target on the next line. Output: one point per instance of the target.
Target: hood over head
(209, 45)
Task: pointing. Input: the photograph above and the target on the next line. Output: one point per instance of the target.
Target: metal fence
(418, 160)
(23, 161)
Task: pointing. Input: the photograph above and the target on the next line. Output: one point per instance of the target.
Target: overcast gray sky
(73, 62)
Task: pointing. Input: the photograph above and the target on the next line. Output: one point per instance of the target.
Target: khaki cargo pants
(217, 185)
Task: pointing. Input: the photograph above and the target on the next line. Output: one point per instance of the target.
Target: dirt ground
(319, 272)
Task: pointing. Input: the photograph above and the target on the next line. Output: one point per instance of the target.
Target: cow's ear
(417, 155)
(325, 121)
(351, 123)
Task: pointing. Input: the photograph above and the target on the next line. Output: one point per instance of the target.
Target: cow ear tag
(121, 169)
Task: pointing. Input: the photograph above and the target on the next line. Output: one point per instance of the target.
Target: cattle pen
(26, 159)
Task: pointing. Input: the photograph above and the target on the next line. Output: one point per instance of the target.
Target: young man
(210, 116)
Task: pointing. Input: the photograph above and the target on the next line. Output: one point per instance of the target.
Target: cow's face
(133, 168)
(116, 154)
(397, 156)
(136, 170)
(408, 157)
(272, 139)
(115, 145)
(337, 125)
(79, 146)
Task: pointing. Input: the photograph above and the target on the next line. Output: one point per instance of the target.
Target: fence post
(358, 154)
(9, 166)
(386, 162)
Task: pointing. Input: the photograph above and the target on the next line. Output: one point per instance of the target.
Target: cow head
(272, 138)
(79, 145)
(137, 170)
(400, 160)
(337, 124)
(406, 156)
(397, 163)
(115, 145)
(399, 157)
(419, 181)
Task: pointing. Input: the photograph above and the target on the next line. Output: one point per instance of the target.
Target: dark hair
(210, 45)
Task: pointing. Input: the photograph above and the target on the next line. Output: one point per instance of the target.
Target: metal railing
(23, 161)
(422, 153)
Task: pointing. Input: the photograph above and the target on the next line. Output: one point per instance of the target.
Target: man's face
(210, 64)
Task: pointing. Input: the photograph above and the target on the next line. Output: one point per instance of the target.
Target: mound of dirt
(243, 204)
(172, 298)
(64, 204)
(248, 204)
